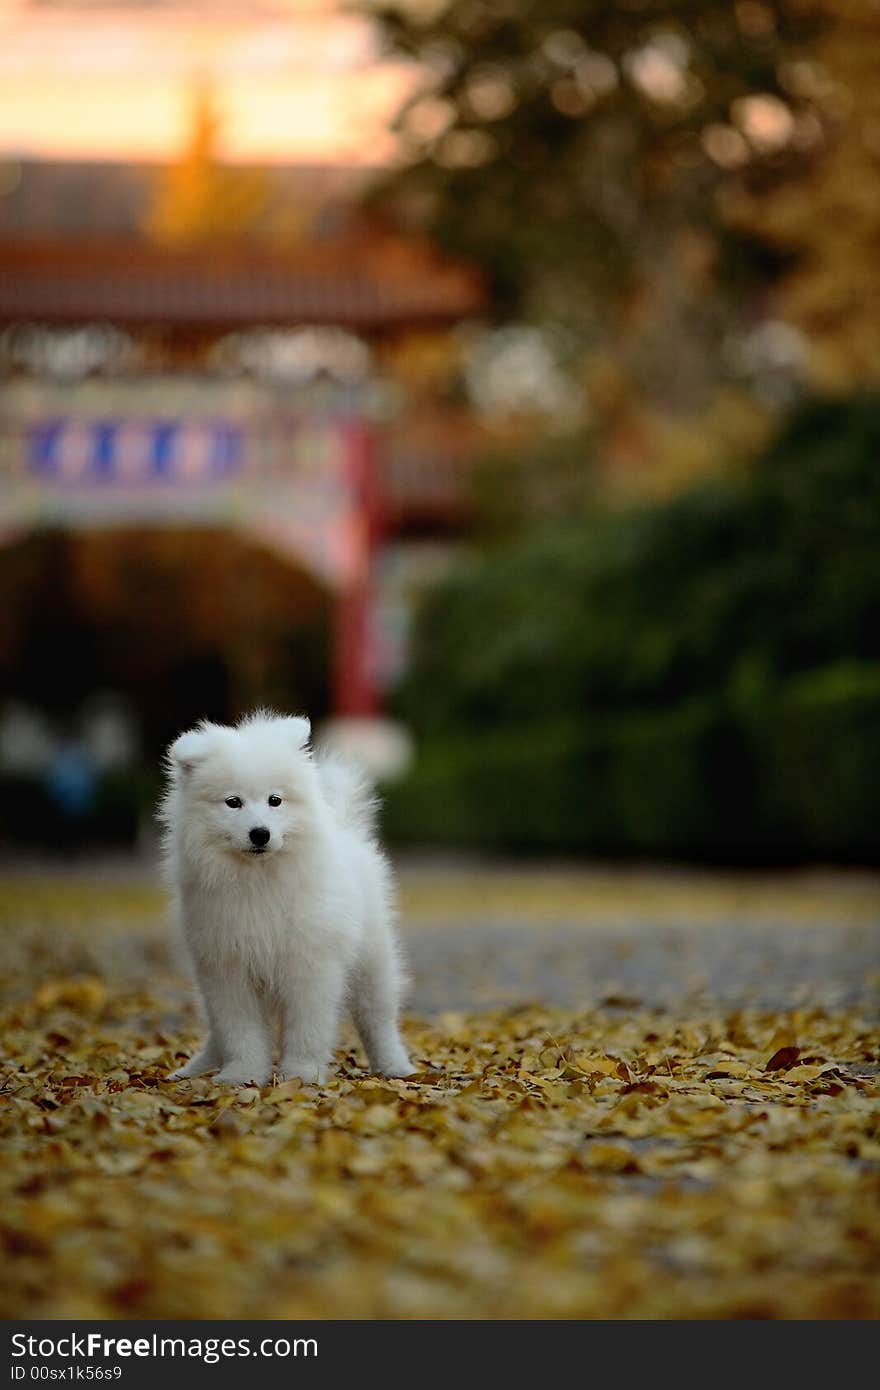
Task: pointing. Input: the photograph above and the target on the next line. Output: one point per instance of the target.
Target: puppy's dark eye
(274, 800)
(234, 803)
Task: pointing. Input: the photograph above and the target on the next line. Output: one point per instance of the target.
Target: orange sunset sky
(294, 80)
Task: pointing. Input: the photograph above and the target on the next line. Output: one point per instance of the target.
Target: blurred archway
(181, 623)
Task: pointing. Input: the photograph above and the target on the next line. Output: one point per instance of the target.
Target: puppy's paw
(395, 1062)
(243, 1074)
(307, 1068)
(196, 1066)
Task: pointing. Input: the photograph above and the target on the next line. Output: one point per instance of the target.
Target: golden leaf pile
(614, 1163)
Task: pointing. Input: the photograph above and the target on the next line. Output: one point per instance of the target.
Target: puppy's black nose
(260, 836)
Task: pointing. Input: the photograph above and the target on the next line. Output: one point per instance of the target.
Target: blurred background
(497, 382)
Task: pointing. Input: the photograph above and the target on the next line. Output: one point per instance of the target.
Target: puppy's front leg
(205, 1060)
(311, 1004)
(239, 1027)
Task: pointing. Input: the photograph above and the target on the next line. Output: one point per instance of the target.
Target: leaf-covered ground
(604, 1161)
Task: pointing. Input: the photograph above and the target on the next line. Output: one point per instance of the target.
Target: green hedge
(789, 774)
(816, 760)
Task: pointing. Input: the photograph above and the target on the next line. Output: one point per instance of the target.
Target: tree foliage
(826, 225)
(581, 152)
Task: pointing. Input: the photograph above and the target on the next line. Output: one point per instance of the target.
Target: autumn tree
(200, 199)
(825, 225)
(580, 150)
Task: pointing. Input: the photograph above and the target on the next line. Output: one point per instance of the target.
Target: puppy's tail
(350, 794)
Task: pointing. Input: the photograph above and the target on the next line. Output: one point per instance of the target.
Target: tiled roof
(80, 199)
(369, 284)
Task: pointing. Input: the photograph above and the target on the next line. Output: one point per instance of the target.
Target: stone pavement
(480, 935)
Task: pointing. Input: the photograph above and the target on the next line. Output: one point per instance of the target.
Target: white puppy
(284, 900)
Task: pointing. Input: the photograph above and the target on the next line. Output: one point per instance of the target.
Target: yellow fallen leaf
(84, 994)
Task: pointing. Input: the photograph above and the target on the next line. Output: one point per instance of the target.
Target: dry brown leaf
(782, 1059)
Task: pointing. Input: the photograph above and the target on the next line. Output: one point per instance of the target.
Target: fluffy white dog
(284, 900)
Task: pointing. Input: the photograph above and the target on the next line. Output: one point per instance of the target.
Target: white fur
(280, 940)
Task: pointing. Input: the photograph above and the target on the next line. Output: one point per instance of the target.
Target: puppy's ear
(189, 749)
(299, 728)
